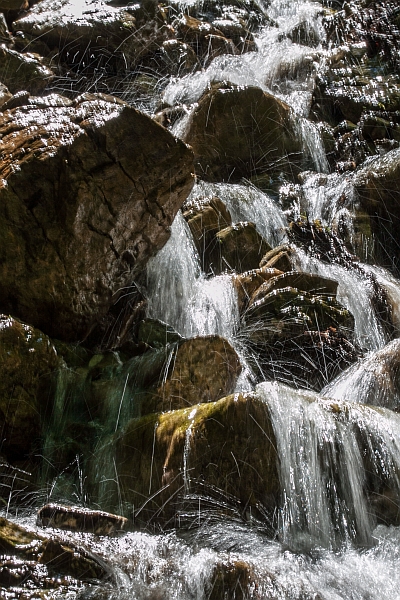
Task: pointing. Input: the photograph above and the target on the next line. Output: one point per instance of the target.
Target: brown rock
(247, 283)
(204, 370)
(302, 281)
(278, 258)
(226, 445)
(88, 194)
(240, 248)
(80, 519)
(205, 220)
(238, 132)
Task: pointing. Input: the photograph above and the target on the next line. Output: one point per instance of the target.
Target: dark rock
(97, 183)
(238, 132)
(239, 248)
(23, 71)
(377, 187)
(27, 358)
(157, 334)
(205, 219)
(80, 519)
(300, 335)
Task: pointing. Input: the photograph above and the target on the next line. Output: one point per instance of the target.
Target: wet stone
(80, 519)
(74, 194)
(239, 248)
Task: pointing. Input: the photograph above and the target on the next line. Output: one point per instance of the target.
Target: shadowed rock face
(87, 194)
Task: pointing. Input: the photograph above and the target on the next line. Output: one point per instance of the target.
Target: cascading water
(339, 460)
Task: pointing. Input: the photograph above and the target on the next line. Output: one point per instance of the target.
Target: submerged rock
(238, 132)
(97, 184)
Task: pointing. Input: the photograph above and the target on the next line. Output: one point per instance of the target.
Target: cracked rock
(88, 191)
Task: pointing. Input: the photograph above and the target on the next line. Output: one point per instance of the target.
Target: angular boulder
(239, 132)
(87, 194)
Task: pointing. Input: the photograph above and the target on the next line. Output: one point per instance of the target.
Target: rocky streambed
(199, 262)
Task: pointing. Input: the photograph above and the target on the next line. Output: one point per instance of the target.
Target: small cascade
(373, 380)
(247, 203)
(355, 293)
(200, 306)
(331, 457)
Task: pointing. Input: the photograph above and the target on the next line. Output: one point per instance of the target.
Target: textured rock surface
(239, 132)
(204, 369)
(226, 446)
(239, 248)
(87, 195)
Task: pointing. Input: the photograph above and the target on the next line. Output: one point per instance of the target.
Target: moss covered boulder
(225, 446)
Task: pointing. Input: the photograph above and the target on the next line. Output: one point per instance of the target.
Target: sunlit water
(327, 544)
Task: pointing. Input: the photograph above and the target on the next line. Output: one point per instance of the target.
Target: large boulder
(92, 34)
(225, 446)
(239, 132)
(87, 194)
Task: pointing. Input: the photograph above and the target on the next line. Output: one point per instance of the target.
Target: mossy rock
(23, 71)
(226, 445)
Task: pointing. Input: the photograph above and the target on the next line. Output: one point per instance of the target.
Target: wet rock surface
(82, 185)
(80, 519)
(217, 438)
(27, 359)
(250, 130)
(34, 565)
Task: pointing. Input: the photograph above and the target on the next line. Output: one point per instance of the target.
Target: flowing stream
(328, 545)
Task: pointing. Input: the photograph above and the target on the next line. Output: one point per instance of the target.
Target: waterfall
(330, 529)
